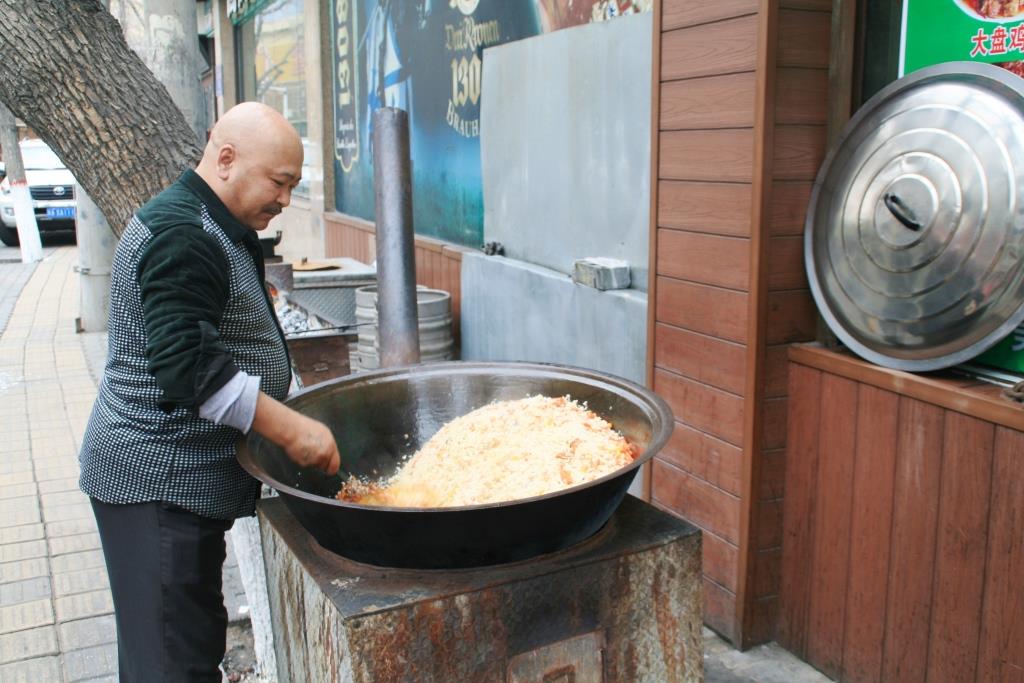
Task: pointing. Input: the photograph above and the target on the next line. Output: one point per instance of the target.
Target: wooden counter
(903, 523)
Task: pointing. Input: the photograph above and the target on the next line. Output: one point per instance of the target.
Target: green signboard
(936, 31)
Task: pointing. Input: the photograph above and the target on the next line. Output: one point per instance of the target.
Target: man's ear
(226, 157)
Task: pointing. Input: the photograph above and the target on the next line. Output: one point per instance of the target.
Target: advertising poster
(936, 31)
(425, 56)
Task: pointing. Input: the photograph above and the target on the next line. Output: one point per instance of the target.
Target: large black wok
(380, 417)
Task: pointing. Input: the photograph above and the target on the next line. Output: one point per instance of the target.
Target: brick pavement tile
(75, 635)
(25, 476)
(79, 581)
(13, 455)
(19, 534)
(18, 511)
(112, 678)
(24, 569)
(26, 615)
(11, 552)
(53, 500)
(61, 472)
(38, 670)
(26, 590)
(92, 662)
(77, 561)
(84, 605)
(15, 466)
(60, 513)
(18, 490)
(63, 545)
(71, 527)
(58, 485)
(36, 642)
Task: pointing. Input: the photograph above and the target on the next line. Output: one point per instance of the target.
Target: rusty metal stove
(623, 605)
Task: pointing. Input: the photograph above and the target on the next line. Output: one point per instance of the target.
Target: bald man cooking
(196, 358)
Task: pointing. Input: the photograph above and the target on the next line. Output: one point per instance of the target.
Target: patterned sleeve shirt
(188, 314)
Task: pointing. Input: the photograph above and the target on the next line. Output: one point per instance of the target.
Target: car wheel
(9, 236)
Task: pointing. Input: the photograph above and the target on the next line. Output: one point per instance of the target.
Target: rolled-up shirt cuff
(234, 404)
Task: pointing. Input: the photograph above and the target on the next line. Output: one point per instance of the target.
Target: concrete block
(31, 670)
(627, 600)
(36, 642)
(63, 545)
(25, 615)
(20, 534)
(71, 527)
(16, 592)
(601, 273)
(92, 662)
(80, 581)
(24, 569)
(89, 559)
(82, 605)
(11, 552)
(83, 633)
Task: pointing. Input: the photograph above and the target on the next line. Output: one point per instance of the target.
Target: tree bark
(69, 74)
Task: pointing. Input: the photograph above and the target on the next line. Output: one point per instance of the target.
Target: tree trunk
(69, 74)
(163, 34)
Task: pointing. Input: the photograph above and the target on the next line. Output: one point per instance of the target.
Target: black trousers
(164, 564)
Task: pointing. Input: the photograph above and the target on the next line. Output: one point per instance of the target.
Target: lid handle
(903, 213)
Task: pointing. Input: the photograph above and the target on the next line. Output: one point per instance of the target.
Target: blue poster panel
(425, 56)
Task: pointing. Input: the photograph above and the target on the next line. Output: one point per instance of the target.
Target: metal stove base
(625, 605)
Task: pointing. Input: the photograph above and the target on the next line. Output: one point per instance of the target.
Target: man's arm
(307, 442)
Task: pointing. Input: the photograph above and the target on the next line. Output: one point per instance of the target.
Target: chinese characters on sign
(1000, 42)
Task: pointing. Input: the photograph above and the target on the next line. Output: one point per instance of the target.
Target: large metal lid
(914, 242)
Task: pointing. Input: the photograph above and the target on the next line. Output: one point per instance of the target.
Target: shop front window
(271, 65)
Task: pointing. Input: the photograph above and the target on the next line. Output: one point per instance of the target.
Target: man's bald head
(252, 162)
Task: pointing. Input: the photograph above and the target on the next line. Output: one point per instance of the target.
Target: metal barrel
(434, 312)
(396, 263)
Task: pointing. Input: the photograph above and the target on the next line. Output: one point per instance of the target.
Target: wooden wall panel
(708, 259)
(717, 208)
(961, 548)
(709, 50)
(706, 506)
(792, 317)
(832, 514)
(711, 155)
(788, 208)
(720, 609)
(798, 506)
(719, 560)
(1001, 655)
(877, 423)
(709, 310)
(801, 96)
(786, 263)
(713, 102)
(803, 38)
(902, 551)
(710, 410)
(706, 359)
(798, 152)
(713, 460)
(915, 514)
(679, 13)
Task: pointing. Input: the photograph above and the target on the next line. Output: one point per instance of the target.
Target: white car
(53, 193)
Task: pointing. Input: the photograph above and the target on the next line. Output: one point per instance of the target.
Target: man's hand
(313, 446)
(306, 441)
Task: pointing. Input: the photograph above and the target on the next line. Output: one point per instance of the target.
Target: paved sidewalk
(56, 615)
(55, 607)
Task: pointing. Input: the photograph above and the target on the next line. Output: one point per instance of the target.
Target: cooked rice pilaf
(503, 451)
